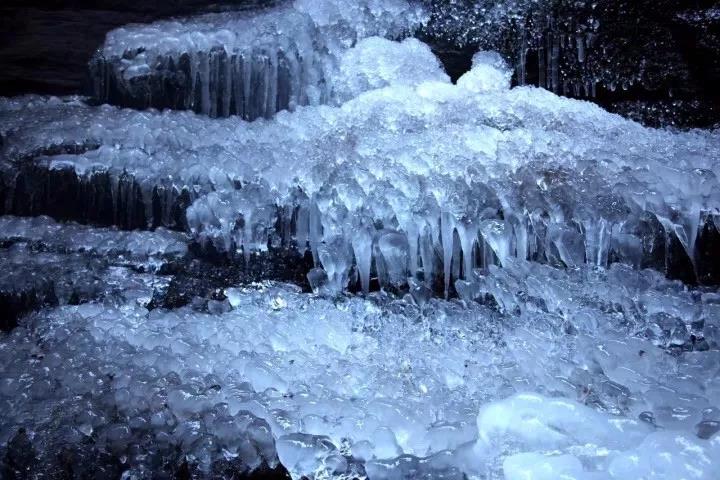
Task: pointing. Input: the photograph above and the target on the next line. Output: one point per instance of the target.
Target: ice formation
(573, 376)
(512, 249)
(242, 63)
(471, 174)
(48, 263)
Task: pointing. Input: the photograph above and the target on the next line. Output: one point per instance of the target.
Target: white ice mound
(669, 455)
(489, 73)
(376, 62)
(537, 422)
(535, 466)
(545, 427)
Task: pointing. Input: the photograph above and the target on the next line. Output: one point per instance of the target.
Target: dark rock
(193, 278)
(20, 294)
(19, 457)
(707, 428)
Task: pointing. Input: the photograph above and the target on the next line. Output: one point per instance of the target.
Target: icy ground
(509, 248)
(584, 373)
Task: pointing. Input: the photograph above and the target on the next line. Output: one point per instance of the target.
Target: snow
(408, 63)
(489, 73)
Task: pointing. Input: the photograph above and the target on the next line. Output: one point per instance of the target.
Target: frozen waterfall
(317, 257)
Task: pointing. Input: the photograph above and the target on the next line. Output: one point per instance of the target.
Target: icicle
(302, 228)
(393, 247)
(336, 258)
(686, 232)
(294, 80)
(447, 228)
(468, 234)
(227, 85)
(146, 193)
(237, 84)
(597, 241)
(412, 239)
(427, 255)
(264, 107)
(286, 219)
(569, 243)
(247, 78)
(541, 65)
(205, 83)
(522, 60)
(247, 235)
(272, 85)
(554, 66)
(580, 48)
(627, 247)
(194, 64)
(362, 245)
(520, 233)
(316, 230)
(497, 234)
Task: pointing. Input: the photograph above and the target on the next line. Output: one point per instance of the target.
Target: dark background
(45, 45)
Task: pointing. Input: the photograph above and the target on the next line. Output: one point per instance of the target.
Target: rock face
(657, 62)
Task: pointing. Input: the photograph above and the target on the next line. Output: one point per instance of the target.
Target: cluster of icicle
(430, 243)
(250, 64)
(563, 44)
(548, 49)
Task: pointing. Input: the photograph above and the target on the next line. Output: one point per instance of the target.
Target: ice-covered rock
(246, 63)
(46, 234)
(46, 263)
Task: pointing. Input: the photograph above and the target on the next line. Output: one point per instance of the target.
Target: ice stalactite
(353, 242)
(249, 64)
(250, 83)
(362, 240)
